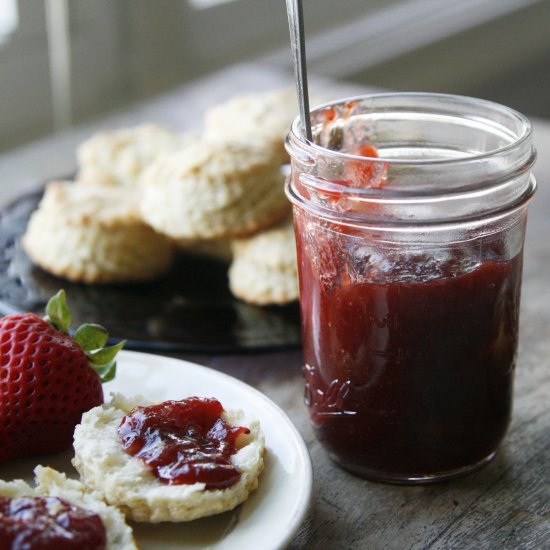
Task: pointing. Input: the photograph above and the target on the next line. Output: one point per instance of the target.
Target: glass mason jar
(410, 213)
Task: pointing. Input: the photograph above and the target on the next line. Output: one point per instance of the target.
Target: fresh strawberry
(48, 379)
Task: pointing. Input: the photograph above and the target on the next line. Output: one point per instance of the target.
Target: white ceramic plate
(271, 515)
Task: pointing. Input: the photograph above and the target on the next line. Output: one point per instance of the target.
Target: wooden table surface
(505, 505)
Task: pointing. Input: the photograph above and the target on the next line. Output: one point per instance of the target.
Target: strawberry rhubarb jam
(184, 442)
(410, 213)
(409, 369)
(48, 523)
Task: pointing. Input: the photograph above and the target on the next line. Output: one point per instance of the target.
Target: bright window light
(9, 18)
(202, 4)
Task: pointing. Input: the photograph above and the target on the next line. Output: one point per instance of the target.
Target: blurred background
(65, 62)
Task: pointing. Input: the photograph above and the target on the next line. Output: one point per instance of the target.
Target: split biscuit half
(125, 482)
(50, 482)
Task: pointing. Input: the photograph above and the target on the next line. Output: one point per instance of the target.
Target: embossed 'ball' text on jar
(410, 214)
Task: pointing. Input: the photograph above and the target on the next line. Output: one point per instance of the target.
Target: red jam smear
(49, 523)
(409, 362)
(363, 173)
(184, 442)
(360, 174)
(366, 174)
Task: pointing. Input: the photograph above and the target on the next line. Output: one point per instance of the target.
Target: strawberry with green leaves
(48, 378)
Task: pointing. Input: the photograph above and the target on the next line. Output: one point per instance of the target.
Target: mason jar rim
(471, 184)
(296, 130)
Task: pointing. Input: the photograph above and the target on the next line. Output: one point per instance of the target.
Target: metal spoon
(298, 44)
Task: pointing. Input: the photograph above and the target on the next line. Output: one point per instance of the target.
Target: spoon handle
(298, 45)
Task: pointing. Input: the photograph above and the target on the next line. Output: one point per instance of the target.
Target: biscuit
(213, 189)
(127, 483)
(94, 235)
(264, 270)
(118, 157)
(262, 117)
(49, 482)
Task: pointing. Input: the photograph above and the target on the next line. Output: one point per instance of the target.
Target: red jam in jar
(48, 523)
(409, 363)
(410, 213)
(184, 442)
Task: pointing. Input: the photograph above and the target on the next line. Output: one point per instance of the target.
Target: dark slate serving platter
(189, 310)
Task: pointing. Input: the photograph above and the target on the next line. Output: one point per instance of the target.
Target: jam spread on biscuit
(44, 523)
(184, 442)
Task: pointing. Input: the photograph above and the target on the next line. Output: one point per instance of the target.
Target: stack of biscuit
(142, 193)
